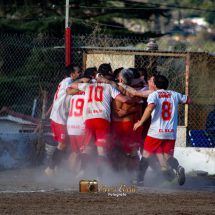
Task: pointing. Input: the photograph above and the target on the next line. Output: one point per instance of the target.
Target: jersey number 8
(166, 111)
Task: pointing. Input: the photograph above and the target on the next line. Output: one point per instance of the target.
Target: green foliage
(210, 17)
(39, 69)
(84, 16)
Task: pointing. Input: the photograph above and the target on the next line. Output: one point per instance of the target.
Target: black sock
(132, 163)
(56, 158)
(143, 165)
(173, 162)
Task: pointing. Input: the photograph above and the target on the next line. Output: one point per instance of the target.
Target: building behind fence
(30, 65)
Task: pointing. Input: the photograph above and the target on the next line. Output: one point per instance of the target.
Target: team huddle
(118, 119)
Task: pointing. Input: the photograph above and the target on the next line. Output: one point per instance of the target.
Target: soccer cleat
(139, 183)
(180, 174)
(168, 174)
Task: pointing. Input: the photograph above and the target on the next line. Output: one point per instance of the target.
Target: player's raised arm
(102, 79)
(134, 92)
(71, 91)
(144, 93)
(146, 115)
(126, 99)
(128, 89)
(189, 101)
(184, 99)
(73, 88)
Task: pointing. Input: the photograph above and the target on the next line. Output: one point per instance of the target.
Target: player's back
(98, 98)
(75, 122)
(61, 102)
(165, 115)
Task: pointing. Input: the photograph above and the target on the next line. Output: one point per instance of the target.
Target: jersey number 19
(77, 106)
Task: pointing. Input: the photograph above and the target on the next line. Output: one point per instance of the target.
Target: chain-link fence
(30, 65)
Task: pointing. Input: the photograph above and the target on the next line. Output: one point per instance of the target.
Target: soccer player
(97, 110)
(123, 119)
(75, 124)
(58, 115)
(163, 109)
(143, 93)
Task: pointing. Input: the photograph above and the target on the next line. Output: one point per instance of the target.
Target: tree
(84, 15)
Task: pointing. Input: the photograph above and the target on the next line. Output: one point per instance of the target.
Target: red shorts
(99, 129)
(59, 131)
(153, 145)
(78, 143)
(124, 134)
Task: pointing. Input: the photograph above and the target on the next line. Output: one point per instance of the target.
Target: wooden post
(40, 142)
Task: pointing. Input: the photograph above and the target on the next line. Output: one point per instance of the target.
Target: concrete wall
(16, 150)
(181, 136)
(193, 159)
(13, 127)
(115, 60)
(9, 127)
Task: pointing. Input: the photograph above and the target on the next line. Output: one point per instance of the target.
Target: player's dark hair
(127, 75)
(70, 69)
(116, 72)
(105, 69)
(161, 82)
(135, 73)
(90, 72)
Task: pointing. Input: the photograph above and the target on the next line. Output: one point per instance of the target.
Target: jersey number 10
(96, 92)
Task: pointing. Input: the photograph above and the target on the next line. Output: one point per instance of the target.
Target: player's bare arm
(135, 92)
(102, 79)
(73, 90)
(189, 101)
(146, 115)
(128, 89)
(126, 99)
(143, 94)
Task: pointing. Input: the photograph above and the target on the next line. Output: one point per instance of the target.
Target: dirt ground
(29, 192)
(79, 203)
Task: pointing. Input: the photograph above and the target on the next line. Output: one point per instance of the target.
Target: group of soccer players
(118, 119)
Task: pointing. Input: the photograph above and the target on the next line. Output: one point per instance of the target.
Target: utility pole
(67, 14)
(67, 35)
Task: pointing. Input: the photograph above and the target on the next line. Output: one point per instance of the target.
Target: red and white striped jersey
(98, 98)
(61, 102)
(164, 118)
(75, 121)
